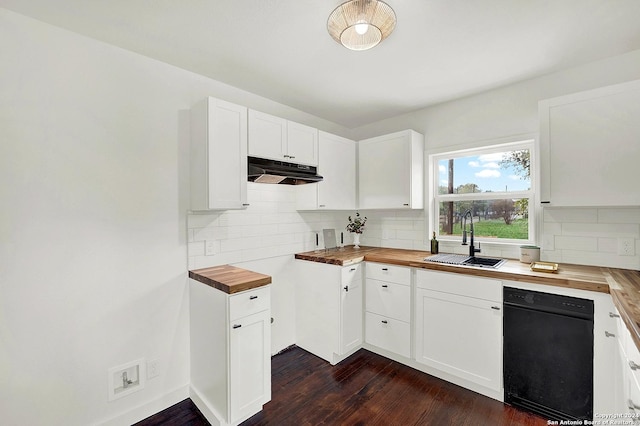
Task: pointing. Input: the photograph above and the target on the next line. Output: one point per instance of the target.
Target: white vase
(356, 240)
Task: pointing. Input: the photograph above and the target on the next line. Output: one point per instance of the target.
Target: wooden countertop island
(230, 279)
(622, 284)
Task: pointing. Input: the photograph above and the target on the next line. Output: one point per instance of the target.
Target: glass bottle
(434, 244)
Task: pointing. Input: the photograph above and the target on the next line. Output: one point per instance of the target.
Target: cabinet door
(589, 147)
(218, 155)
(460, 335)
(337, 165)
(250, 364)
(384, 172)
(302, 144)
(351, 316)
(267, 136)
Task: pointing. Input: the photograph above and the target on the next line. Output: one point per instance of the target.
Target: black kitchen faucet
(472, 249)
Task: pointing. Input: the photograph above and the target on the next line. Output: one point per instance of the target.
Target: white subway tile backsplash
(612, 230)
(620, 215)
(271, 226)
(590, 236)
(562, 215)
(608, 245)
(576, 243)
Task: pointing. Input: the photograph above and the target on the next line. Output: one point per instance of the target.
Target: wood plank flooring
(365, 389)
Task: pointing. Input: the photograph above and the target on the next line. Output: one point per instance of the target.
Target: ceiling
(280, 49)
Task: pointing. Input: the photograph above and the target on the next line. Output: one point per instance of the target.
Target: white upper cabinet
(590, 147)
(267, 136)
(302, 144)
(279, 139)
(337, 165)
(390, 171)
(218, 155)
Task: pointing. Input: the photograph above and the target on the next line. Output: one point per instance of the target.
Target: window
(493, 185)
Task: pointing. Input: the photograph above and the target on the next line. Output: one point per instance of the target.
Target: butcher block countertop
(229, 278)
(622, 284)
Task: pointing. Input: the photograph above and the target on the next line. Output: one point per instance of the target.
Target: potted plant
(356, 227)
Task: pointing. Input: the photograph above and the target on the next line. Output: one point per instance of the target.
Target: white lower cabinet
(459, 326)
(230, 352)
(626, 371)
(328, 309)
(388, 308)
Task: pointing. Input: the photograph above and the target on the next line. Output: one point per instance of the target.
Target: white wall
(93, 237)
(510, 113)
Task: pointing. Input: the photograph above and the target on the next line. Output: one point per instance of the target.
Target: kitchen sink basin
(461, 259)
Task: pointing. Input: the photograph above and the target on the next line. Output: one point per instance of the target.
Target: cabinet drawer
(351, 273)
(388, 299)
(249, 302)
(389, 273)
(464, 285)
(388, 333)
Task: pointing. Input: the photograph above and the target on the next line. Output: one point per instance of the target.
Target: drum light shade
(361, 24)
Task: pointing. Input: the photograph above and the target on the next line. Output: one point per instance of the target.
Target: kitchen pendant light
(361, 24)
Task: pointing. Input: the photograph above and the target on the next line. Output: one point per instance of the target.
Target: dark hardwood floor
(365, 389)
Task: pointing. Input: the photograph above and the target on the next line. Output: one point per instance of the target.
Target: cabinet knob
(346, 288)
(612, 315)
(633, 365)
(253, 297)
(607, 334)
(237, 325)
(384, 321)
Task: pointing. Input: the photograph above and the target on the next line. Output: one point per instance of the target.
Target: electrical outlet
(626, 246)
(153, 368)
(209, 248)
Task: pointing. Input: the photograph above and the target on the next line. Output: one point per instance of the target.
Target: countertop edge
(256, 280)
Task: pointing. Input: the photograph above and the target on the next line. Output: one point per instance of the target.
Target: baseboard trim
(204, 407)
(147, 409)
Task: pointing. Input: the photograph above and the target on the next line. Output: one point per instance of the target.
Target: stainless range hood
(262, 170)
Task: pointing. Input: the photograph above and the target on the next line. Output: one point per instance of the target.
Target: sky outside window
(484, 170)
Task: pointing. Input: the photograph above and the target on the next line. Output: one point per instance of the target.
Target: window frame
(491, 148)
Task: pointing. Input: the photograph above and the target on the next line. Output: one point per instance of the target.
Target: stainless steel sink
(461, 259)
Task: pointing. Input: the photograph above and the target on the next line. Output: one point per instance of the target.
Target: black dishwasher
(548, 354)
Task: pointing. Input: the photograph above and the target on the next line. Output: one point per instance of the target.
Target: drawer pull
(322, 205)
(607, 334)
(246, 204)
(385, 269)
(384, 321)
(352, 269)
(496, 308)
(237, 325)
(612, 315)
(405, 204)
(253, 297)
(633, 365)
(384, 286)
